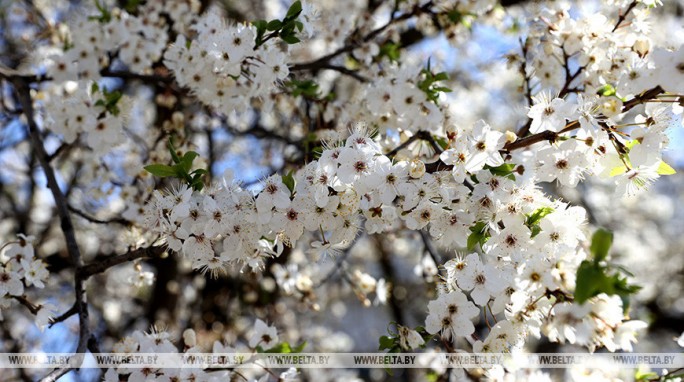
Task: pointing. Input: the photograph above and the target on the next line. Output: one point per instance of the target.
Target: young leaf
(172, 151)
(160, 170)
(186, 160)
(299, 348)
(274, 25)
(504, 170)
(282, 347)
(600, 244)
(288, 181)
(665, 169)
(295, 10)
(386, 342)
(290, 39)
(537, 215)
(591, 281)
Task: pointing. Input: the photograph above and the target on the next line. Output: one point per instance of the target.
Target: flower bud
(510, 136)
(610, 106)
(642, 46)
(417, 169)
(189, 338)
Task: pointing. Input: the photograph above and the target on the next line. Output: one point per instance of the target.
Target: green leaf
(504, 170)
(131, 5)
(537, 215)
(606, 90)
(161, 170)
(290, 39)
(591, 281)
(289, 181)
(282, 347)
(306, 88)
(479, 234)
(295, 9)
(260, 25)
(619, 170)
(299, 348)
(172, 151)
(386, 342)
(645, 375)
(443, 76)
(274, 25)
(665, 169)
(442, 142)
(600, 244)
(390, 50)
(431, 376)
(186, 160)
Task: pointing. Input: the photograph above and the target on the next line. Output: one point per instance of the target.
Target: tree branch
(102, 265)
(419, 135)
(323, 62)
(28, 304)
(623, 15)
(91, 219)
(23, 92)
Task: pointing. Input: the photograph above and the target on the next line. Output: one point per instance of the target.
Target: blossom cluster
(530, 255)
(20, 270)
(137, 41)
(223, 67)
(85, 111)
(159, 341)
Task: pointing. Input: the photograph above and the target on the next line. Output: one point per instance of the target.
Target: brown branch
(351, 73)
(62, 317)
(337, 267)
(24, 96)
(551, 136)
(623, 15)
(430, 248)
(323, 62)
(91, 219)
(568, 77)
(12, 75)
(102, 265)
(56, 374)
(28, 304)
(420, 135)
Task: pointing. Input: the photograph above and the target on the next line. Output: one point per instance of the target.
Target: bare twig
(102, 265)
(62, 317)
(91, 219)
(33, 308)
(623, 15)
(420, 135)
(323, 62)
(430, 248)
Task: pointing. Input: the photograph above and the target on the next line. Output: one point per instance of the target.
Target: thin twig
(33, 308)
(322, 62)
(623, 15)
(102, 265)
(62, 317)
(91, 219)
